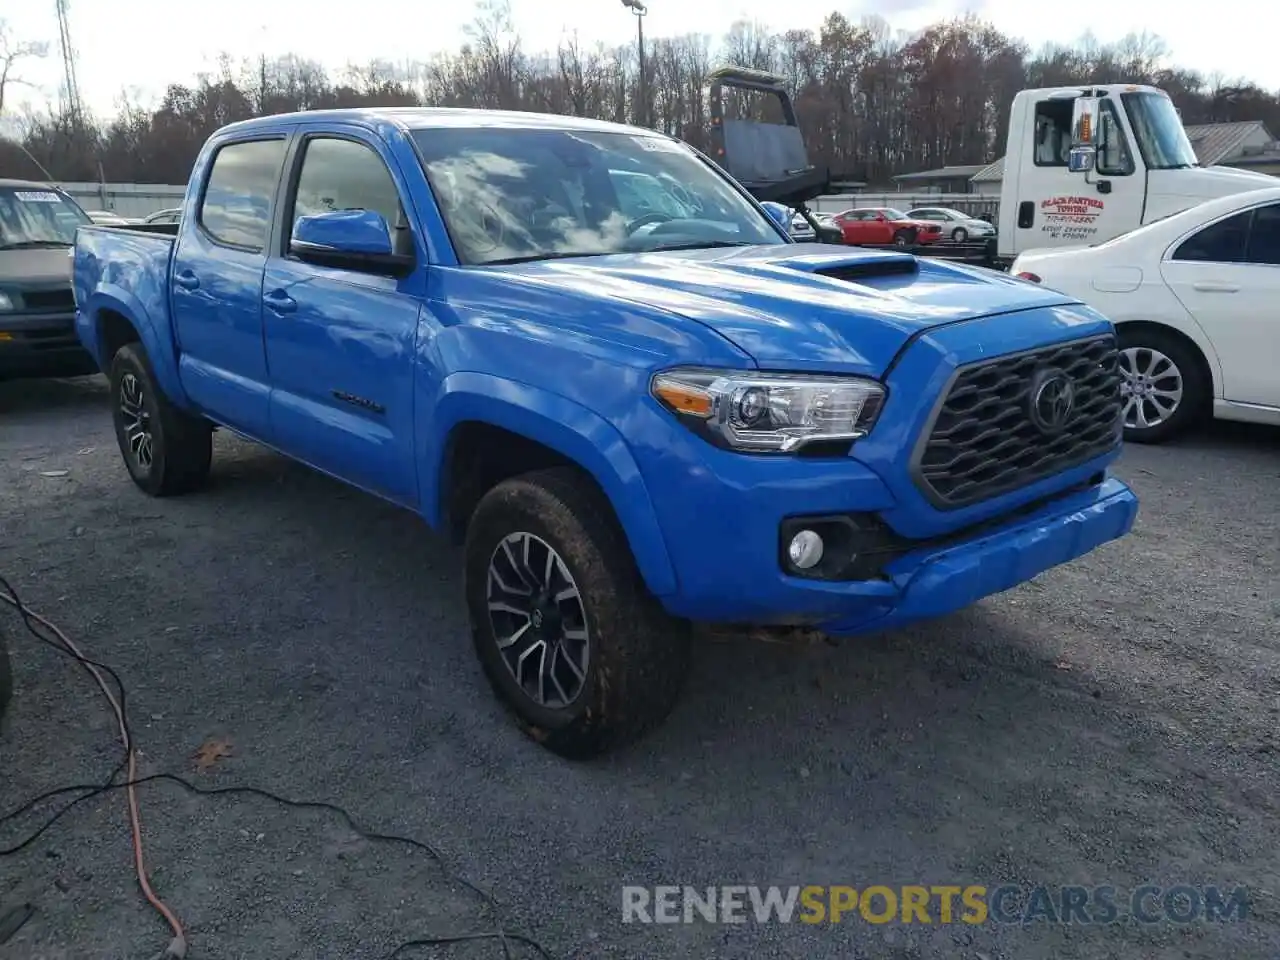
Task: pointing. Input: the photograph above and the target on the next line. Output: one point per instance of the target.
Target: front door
(1227, 275)
(1058, 208)
(216, 284)
(341, 343)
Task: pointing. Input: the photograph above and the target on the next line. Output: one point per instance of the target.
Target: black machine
(769, 159)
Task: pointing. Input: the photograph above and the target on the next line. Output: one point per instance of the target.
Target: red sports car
(885, 225)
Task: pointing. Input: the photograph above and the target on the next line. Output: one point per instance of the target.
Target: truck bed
(129, 264)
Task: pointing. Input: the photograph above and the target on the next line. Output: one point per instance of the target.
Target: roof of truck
(417, 118)
(8, 183)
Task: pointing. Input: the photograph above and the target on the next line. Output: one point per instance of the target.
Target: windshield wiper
(36, 244)
(530, 258)
(700, 245)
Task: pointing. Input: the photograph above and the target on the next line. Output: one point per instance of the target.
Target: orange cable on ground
(177, 948)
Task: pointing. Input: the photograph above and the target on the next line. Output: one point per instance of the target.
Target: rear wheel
(166, 450)
(1163, 388)
(568, 635)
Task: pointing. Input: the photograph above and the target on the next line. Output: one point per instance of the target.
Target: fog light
(805, 549)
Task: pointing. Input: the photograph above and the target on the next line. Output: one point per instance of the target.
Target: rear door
(216, 283)
(1227, 275)
(340, 343)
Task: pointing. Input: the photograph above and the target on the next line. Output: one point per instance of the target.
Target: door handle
(1214, 286)
(280, 302)
(186, 280)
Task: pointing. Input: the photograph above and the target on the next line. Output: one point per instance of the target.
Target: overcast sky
(140, 46)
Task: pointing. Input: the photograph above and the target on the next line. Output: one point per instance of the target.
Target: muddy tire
(166, 450)
(570, 639)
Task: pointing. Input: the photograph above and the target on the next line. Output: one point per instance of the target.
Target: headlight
(769, 413)
(6, 302)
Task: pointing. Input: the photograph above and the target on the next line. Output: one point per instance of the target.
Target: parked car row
(887, 225)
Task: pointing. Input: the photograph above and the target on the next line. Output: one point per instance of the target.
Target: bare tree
(12, 53)
(872, 102)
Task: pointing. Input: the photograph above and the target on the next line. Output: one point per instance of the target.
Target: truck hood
(1208, 183)
(796, 305)
(40, 267)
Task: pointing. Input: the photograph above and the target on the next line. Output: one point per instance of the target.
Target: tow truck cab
(1142, 166)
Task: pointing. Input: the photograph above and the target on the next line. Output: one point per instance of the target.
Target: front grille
(48, 300)
(986, 439)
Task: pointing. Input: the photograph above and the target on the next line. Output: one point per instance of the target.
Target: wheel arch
(1206, 359)
(513, 428)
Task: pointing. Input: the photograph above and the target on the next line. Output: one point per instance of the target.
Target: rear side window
(1221, 242)
(236, 208)
(1264, 239)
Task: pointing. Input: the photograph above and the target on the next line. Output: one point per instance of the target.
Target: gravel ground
(1113, 722)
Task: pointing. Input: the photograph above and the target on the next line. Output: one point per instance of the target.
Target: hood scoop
(875, 269)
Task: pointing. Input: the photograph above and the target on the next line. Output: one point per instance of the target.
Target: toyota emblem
(1053, 400)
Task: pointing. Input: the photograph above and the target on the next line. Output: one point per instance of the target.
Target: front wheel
(166, 450)
(959, 234)
(1162, 387)
(904, 238)
(567, 633)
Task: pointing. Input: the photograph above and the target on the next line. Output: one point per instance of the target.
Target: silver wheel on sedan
(1151, 387)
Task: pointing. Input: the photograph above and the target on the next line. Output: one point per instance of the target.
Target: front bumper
(933, 582)
(729, 567)
(42, 345)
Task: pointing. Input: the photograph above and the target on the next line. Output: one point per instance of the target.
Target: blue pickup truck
(589, 355)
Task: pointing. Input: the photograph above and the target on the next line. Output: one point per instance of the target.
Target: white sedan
(1196, 303)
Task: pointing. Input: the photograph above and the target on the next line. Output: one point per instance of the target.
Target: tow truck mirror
(1084, 134)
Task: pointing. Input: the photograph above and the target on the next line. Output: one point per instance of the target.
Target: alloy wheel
(136, 421)
(538, 619)
(1150, 386)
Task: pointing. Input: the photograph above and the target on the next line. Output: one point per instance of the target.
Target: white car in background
(955, 224)
(801, 230)
(1195, 298)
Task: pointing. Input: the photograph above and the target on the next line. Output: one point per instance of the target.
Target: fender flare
(563, 425)
(159, 348)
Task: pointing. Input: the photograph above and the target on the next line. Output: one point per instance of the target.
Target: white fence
(126, 199)
(140, 199)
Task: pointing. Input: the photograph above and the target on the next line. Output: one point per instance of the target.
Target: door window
(344, 175)
(1221, 242)
(236, 207)
(1052, 131)
(1115, 159)
(1264, 236)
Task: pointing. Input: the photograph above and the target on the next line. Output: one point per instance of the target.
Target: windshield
(893, 214)
(38, 218)
(530, 194)
(1162, 140)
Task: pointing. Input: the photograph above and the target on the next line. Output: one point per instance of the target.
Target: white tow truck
(1086, 164)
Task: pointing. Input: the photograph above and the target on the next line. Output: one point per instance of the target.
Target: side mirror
(1084, 134)
(778, 213)
(349, 240)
